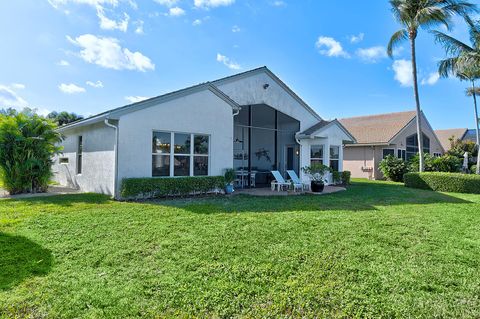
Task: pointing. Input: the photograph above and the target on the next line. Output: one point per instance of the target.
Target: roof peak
(378, 115)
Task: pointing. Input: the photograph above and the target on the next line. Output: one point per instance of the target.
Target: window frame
(330, 159)
(191, 155)
(318, 159)
(402, 153)
(79, 164)
(387, 149)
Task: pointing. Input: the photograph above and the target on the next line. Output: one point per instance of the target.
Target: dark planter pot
(228, 189)
(317, 187)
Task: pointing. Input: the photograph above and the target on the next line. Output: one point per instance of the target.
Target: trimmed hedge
(444, 182)
(142, 188)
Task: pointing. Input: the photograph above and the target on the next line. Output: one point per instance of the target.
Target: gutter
(115, 164)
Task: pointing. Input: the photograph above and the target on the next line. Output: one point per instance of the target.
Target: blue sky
(87, 56)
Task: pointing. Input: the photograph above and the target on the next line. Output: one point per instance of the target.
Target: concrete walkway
(269, 192)
(52, 190)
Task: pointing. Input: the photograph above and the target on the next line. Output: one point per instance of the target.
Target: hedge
(142, 188)
(444, 182)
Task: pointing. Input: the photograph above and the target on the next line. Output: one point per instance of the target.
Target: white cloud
(135, 99)
(432, 79)
(403, 72)
(17, 86)
(139, 28)
(330, 47)
(63, 63)
(107, 53)
(9, 98)
(279, 3)
(94, 3)
(373, 54)
(227, 62)
(196, 22)
(97, 84)
(71, 88)
(212, 3)
(357, 38)
(236, 29)
(109, 24)
(167, 3)
(176, 12)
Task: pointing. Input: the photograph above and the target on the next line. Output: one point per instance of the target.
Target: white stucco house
(251, 121)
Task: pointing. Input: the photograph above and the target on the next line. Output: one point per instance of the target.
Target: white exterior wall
(202, 113)
(98, 159)
(250, 91)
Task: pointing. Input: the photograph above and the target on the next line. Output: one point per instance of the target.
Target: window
(175, 155)
(334, 157)
(388, 151)
(412, 145)
(63, 160)
(79, 154)
(437, 154)
(402, 154)
(316, 154)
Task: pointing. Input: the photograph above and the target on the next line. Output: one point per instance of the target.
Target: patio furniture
(279, 181)
(297, 183)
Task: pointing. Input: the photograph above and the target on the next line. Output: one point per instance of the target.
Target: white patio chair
(279, 181)
(297, 183)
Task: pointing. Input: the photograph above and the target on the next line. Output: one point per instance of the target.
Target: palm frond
(469, 91)
(431, 16)
(451, 45)
(448, 67)
(395, 40)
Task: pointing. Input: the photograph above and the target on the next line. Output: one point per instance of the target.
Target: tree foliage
(27, 144)
(393, 168)
(64, 118)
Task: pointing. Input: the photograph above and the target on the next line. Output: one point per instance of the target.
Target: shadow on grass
(21, 258)
(63, 200)
(360, 196)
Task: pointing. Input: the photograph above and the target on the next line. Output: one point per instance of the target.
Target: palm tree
(416, 14)
(464, 63)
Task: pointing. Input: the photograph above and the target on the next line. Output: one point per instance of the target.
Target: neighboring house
(381, 135)
(250, 121)
(462, 134)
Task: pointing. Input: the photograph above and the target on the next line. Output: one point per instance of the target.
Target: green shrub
(137, 188)
(27, 144)
(336, 177)
(393, 168)
(346, 176)
(473, 169)
(444, 182)
(446, 163)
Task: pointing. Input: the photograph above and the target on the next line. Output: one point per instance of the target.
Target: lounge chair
(279, 181)
(297, 183)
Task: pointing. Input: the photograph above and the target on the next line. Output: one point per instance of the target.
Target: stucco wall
(202, 113)
(359, 161)
(97, 159)
(250, 91)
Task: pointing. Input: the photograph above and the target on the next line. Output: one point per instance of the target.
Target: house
(250, 121)
(381, 135)
(462, 134)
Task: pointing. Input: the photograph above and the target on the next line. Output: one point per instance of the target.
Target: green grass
(377, 250)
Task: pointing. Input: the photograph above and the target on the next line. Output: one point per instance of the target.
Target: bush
(27, 144)
(137, 188)
(346, 176)
(393, 168)
(446, 163)
(444, 182)
(336, 177)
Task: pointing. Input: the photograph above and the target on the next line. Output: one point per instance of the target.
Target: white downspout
(115, 164)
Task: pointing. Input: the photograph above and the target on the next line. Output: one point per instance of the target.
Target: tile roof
(379, 128)
(445, 135)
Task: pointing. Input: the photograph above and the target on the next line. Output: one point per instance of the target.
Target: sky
(88, 56)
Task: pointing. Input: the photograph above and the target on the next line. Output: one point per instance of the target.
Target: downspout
(115, 164)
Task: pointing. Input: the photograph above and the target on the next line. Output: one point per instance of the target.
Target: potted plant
(229, 178)
(316, 173)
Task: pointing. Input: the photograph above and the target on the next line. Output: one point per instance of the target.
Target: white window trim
(334, 159)
(391, 149)
(317, 158)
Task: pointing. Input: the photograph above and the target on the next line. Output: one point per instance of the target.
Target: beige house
(385, 134)
(462, 134)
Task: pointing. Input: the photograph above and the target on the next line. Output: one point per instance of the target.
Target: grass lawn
(377, 250)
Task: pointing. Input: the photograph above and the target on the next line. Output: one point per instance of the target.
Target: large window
(316, 154)
(387, 152)
(334, 157)
(79, 154)
(412, 145)
(174, 154)
(402, 154)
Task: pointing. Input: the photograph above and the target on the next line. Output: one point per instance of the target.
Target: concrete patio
(269, 192)
(52, 190)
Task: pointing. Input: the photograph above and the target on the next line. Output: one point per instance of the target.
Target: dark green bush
(137, 188)
(336, 177)
(444, 182)
(346, 175)
(446, 163)
(393, 168)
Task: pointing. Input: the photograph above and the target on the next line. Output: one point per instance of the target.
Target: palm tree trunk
(417, 103)
(476, 127)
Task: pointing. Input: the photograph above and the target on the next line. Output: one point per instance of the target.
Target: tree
(64, 118)
(416, 14)
(27, 144)
(464, 63)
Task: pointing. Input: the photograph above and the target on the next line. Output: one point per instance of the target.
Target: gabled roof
(212, 86)
(445, 135)
(321, 125)
(377, 129)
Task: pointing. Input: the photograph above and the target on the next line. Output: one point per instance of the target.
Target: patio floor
(269, 192)
(52, 190)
